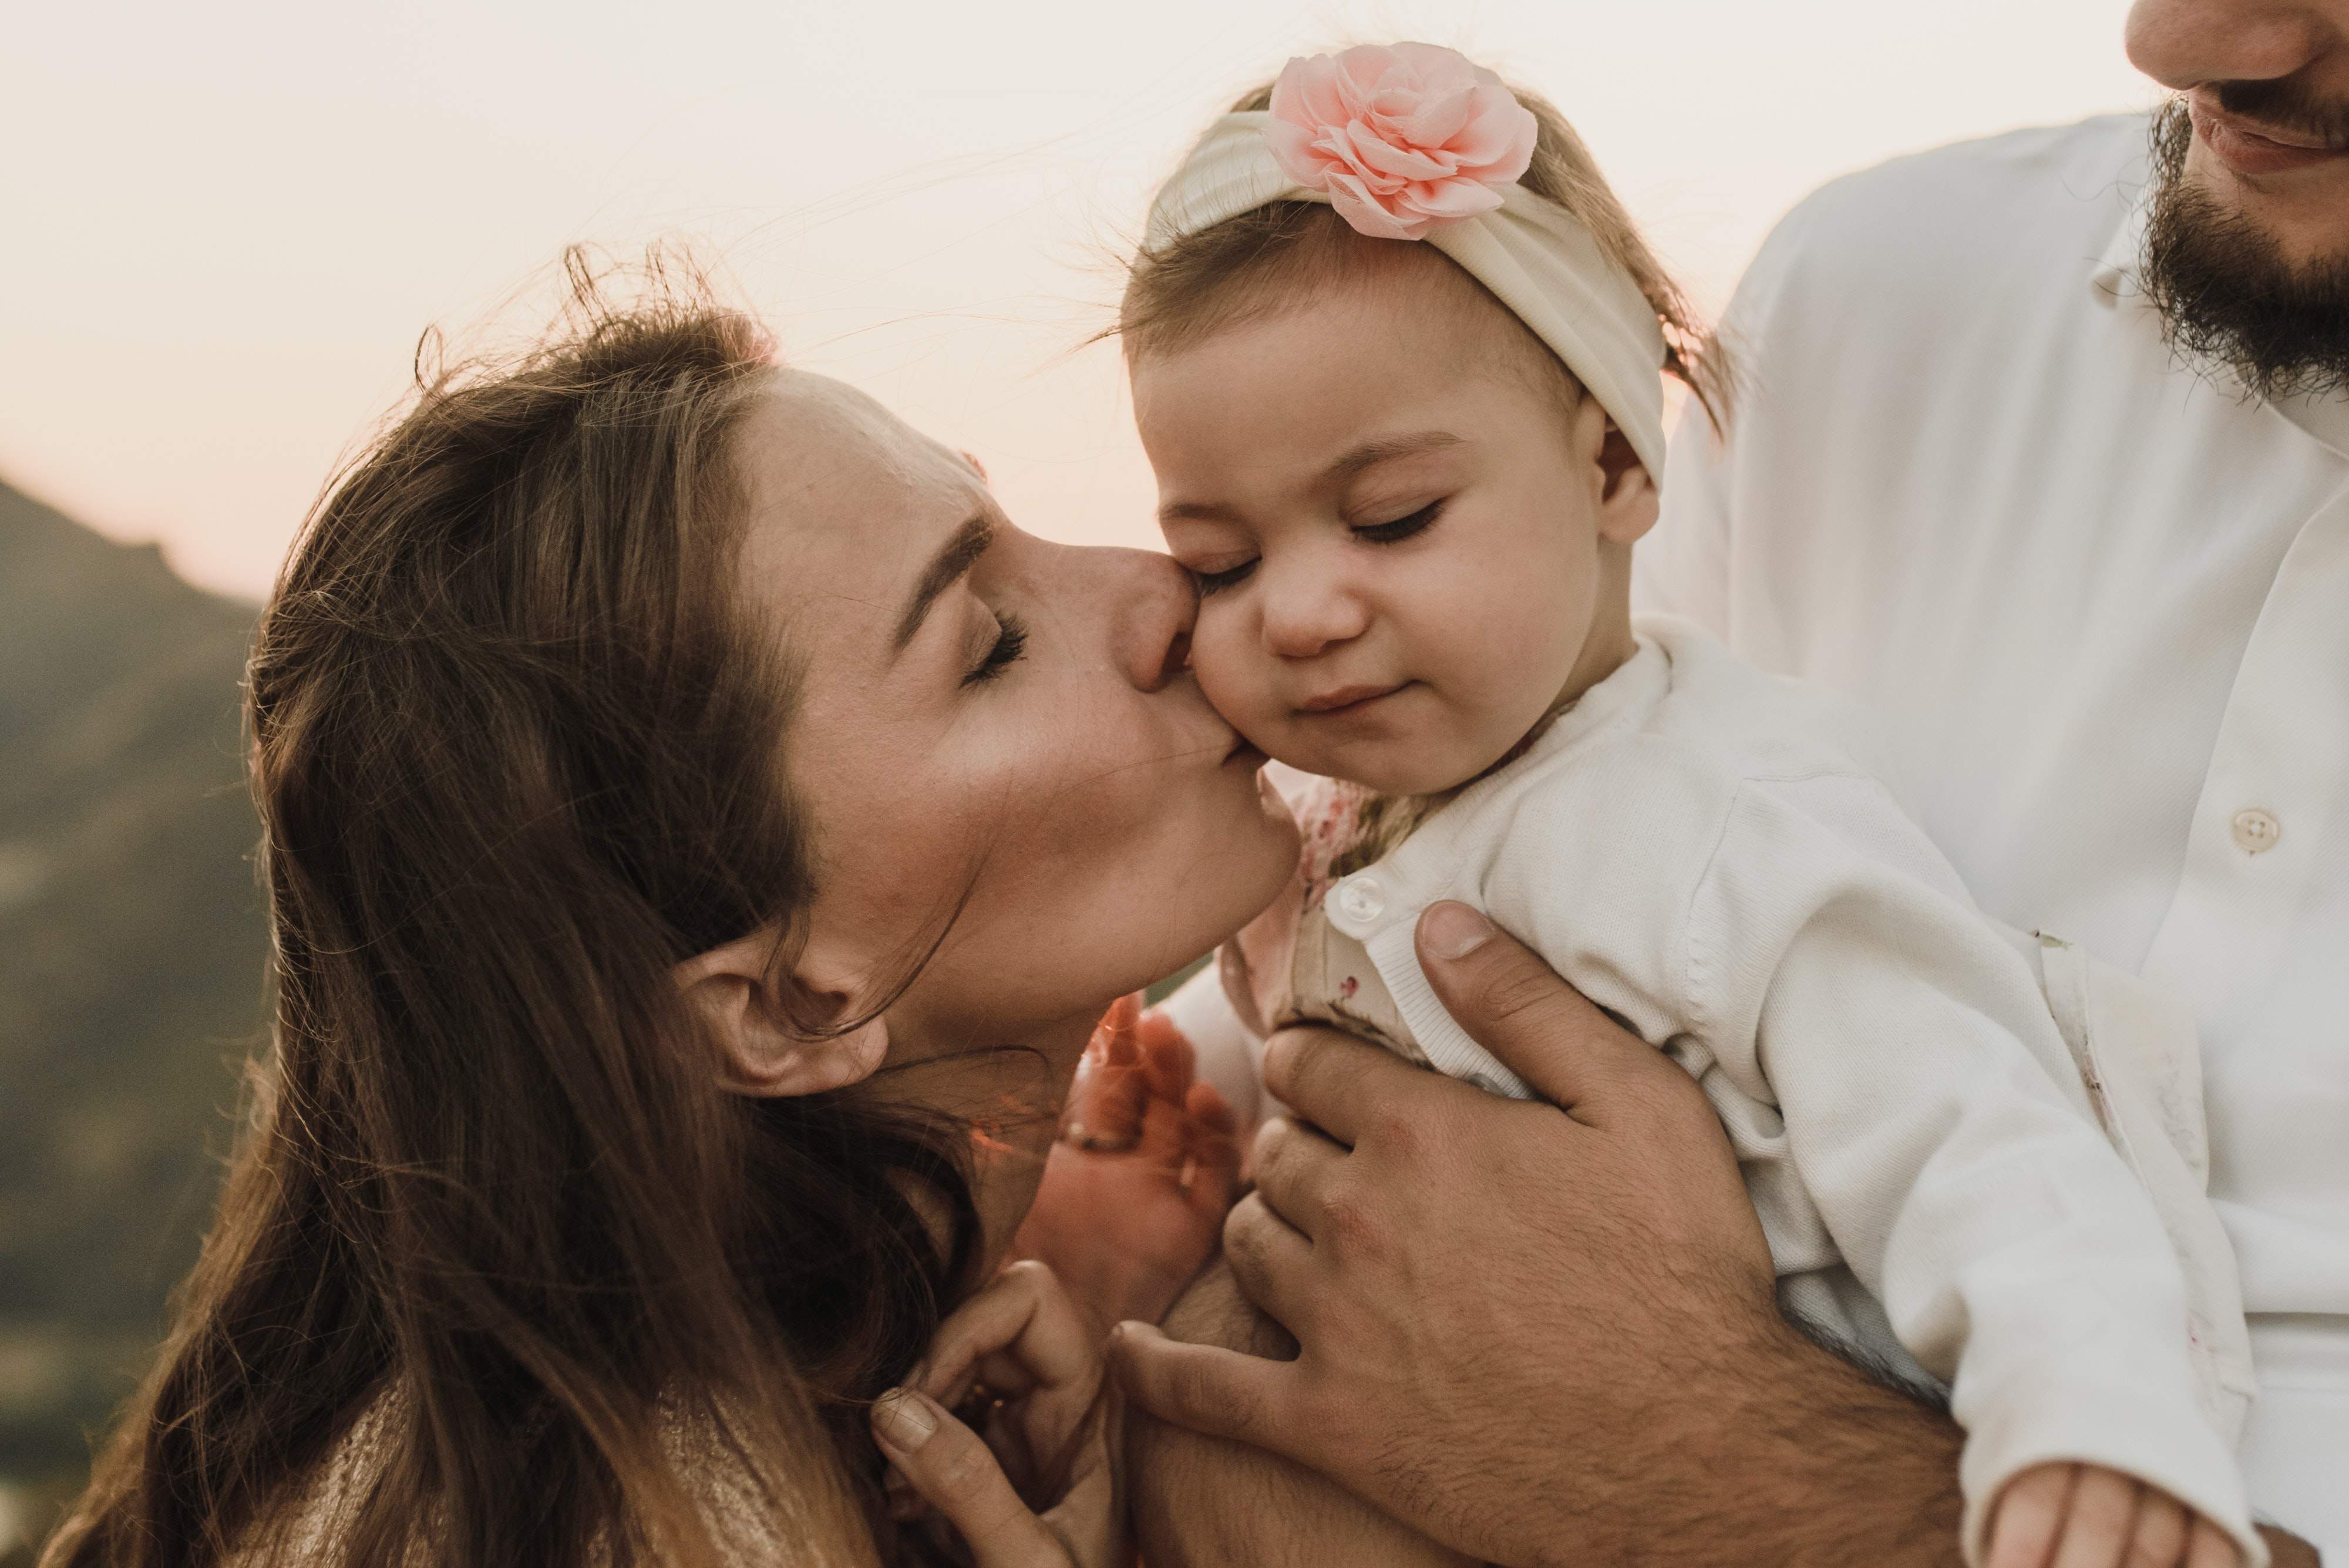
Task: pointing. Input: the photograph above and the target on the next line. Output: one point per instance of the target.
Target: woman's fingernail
(1454, 931)
(903, 1419)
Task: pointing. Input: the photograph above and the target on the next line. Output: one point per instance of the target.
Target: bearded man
(2044, 451)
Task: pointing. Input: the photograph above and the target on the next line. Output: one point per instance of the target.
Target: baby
(1395, 354)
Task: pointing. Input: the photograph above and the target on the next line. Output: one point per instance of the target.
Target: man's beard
(2227, 293)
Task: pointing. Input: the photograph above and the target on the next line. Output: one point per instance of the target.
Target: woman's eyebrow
(948, 567)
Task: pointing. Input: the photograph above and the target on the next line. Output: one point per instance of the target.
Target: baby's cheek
(1232, 670)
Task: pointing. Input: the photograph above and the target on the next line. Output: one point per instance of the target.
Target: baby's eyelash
(1399, 529)
(1402, 527)
(1010, 642)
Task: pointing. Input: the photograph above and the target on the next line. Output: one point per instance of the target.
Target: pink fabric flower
(1401, 138)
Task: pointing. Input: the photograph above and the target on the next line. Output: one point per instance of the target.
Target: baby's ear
(1627, 495)
(757, 1019)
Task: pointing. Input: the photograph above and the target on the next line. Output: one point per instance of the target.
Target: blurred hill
(131, 952)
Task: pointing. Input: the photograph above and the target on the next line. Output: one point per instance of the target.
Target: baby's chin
(1387, 766)
(1410, 776)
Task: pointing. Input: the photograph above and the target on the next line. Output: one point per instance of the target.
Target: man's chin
(2246, 278)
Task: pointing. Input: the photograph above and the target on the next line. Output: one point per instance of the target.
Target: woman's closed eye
(1010, 642)
(1402, 527)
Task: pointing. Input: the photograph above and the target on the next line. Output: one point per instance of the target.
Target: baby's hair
(1189, 287)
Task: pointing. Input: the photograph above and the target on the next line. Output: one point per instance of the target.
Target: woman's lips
(1346, 700)
(2249, 148)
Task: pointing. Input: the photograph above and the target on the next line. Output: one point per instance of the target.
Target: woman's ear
(763, 1050)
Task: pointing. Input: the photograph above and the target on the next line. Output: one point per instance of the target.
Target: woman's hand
(1135, 1191)
(1040, 1490)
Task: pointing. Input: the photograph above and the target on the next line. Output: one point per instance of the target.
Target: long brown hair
(1193, 285)
(516, 754)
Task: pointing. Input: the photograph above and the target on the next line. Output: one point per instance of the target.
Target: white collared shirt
(2100, 601)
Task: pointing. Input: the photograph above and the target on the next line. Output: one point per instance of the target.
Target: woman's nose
(1153, 606)
(1304, 613)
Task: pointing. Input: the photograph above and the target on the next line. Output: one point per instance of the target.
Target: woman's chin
(1288, 838)
(1275, 844)
(1226, 869)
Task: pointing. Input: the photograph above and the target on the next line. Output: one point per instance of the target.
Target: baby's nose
(1305, 615)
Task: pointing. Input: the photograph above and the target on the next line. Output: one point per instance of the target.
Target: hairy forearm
(1775, 1452)
(1846, 1468)
(1204, 1503)
(1778, 1452)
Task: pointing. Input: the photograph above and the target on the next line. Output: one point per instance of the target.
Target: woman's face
(992, 730)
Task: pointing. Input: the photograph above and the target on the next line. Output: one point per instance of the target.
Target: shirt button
(1361, 899)
(2256, 830)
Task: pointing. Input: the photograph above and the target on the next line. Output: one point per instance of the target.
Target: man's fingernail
(1454, 931)
(903, 1420)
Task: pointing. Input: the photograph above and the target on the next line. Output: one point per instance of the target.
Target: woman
(701, 834)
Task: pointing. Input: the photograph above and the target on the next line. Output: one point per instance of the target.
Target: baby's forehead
(1431, 309)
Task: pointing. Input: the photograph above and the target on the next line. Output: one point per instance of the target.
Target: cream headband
(1406, 142)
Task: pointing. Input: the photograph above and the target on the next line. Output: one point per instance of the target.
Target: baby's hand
(2053, 1516)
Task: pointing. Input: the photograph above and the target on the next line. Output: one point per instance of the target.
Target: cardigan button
(1361, 899)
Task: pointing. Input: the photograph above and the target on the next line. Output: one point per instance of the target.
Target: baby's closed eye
(1400, 528)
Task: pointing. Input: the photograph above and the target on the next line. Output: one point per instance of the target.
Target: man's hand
(1543, 1332)
(1137, 1188)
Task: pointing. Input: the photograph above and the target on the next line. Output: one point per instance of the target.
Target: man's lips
(1344, 699)
(2249, 147)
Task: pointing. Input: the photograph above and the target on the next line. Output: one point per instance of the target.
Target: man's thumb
(1515, 1006)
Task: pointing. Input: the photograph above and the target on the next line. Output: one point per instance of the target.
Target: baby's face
(1404, 541)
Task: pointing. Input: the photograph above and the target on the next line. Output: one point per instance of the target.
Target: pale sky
(223, 227)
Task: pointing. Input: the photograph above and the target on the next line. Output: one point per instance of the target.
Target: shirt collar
(2324, 418)
(2114, 276)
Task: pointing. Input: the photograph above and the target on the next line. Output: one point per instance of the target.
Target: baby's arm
(1836, 967)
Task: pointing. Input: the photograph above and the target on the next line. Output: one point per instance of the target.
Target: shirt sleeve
(1834, 962)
